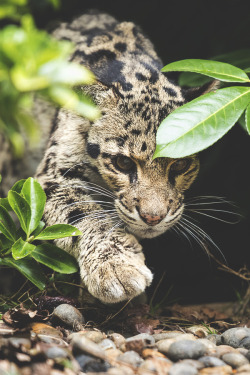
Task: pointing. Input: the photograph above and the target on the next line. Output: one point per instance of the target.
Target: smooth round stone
(198, 330)
(166, 335)
(95, 336)
(182, 369)
(219, 370)
(235, 359)
(68, 315)
(186, 349)
(118, 339)
(107, 344)
(151, 364)
(237, 337)
(223, 349)
(145, 337)
(56, 352)
(244, 368)
(243, 351)
(89, 364)
(164, 345)
(210, 346)
(193, 362)
(82, 344)
(209, 361)
(130, 357)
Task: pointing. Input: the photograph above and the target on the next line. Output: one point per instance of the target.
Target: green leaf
(200, 123)
(29, 268)
(36, 198)
(55, 258)
(21, 209)
(21, 249)
(247, 70)
(7, 225)
(17, 187)
(5, 203)
(247, 118)
(58, 231)
(5, 243)
(215, 69)
(242, 122)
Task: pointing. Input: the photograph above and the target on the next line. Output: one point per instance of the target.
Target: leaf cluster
(21, 248)
(32, 62)
(203, 121)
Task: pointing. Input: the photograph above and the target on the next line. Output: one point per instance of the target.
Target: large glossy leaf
(239, 58)
(55, 258)
(215, 69)
(21, 208)
(21, 249)
(36, 198)
(5, 243)
(247, 119)
(200, 123)
(7, 225)
(29, 268)
(58, 231)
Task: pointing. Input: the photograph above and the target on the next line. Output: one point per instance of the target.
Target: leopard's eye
(180, 166)
(124, 163)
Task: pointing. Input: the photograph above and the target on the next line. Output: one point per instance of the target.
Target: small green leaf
(7, 225)
(201, 122)
(21, 249)
(29, 268)
(17, 187)
(55, 258)
(215, 69)
(21, 208)
(36, 198)
(58, 231)
(247, 118)
(5, 203)
(5, 243)
(247, 70)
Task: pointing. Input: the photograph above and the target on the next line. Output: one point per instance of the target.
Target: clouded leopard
(100, 176)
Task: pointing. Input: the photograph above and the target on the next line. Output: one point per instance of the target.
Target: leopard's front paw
(117, 280)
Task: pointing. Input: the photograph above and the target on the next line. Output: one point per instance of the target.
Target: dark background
(181, 30)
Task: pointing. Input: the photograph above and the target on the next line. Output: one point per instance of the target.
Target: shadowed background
(181, 30)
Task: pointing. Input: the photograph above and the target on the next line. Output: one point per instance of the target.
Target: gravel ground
(42, 348)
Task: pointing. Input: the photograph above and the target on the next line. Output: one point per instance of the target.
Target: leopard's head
(149, 193)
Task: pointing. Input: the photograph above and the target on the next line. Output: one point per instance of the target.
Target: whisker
(198, 211)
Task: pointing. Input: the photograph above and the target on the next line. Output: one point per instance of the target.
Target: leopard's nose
(151, 219)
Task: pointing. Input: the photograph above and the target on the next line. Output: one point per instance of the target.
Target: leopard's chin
(149, 232)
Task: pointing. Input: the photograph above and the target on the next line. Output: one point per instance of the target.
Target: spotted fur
(80, 172)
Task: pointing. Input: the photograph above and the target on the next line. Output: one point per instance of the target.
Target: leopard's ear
(194, 92)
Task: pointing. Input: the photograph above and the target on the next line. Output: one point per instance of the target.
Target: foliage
(21, 247)
(32, 62)
(203, 121)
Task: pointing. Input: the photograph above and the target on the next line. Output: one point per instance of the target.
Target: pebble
(198, 330)
(68, 315)
(107, 344)
(237, 337)
(193, 362)
(163, 345)
(182, 369)
(186, 349)
(145, 337)
(130, 357)
(56, 352)
(219, 370)
(223, 349)
(89, 364)
(235, 360)
(82, 344)
(95, 336)
(209, 361)
(216, 339)
(118, 339)
(244, 368)
(154, 365)
(166, 335)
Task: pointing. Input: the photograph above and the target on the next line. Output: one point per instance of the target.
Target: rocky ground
(62, 342)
